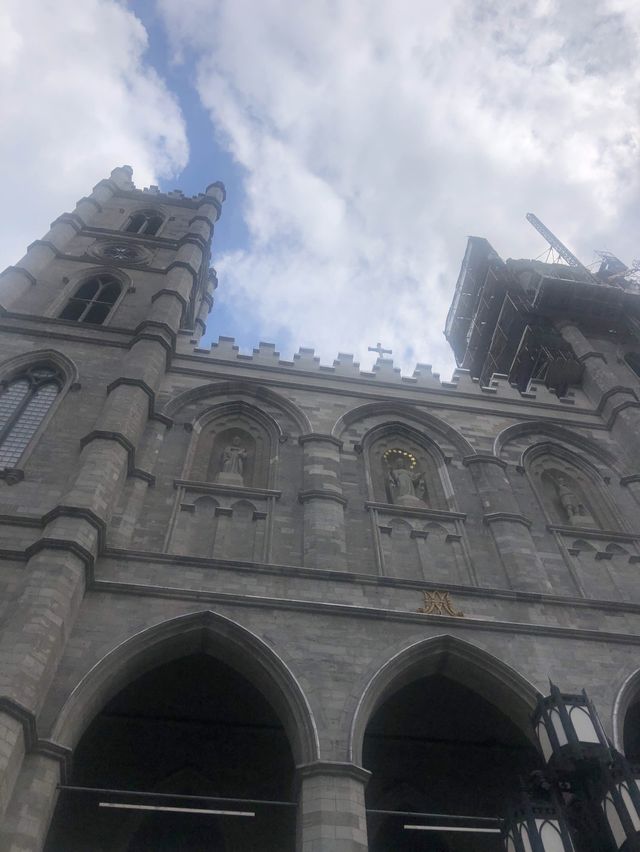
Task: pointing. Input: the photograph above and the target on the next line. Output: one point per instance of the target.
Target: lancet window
(144, 222)
(93, 300)
(24, 403)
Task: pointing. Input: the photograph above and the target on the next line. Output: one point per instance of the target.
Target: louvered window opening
(24, 403)
(144, 223)
(93, 300)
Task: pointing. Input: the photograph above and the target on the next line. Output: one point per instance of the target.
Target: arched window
(24, 403)
(93, 300)
(144, 223)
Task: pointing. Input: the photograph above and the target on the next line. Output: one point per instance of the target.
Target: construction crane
(559, 247)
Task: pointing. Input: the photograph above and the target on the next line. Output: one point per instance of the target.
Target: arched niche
(234, 443)
(444, 728)
(569, 487)
(405, 468)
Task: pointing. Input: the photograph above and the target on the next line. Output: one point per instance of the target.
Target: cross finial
(378, 348)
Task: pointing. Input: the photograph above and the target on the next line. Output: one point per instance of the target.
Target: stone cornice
(454, 623)
(593, 532)
(219, 488)
(416, 512)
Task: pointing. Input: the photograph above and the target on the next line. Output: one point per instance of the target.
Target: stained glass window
(24, 402)
(93, 300)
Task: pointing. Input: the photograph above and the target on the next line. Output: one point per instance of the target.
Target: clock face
(120, 252)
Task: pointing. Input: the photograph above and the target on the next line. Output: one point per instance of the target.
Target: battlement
(345, 366)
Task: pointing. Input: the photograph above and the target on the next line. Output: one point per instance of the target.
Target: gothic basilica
(257, 605)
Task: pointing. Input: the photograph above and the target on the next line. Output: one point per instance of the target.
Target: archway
(447, 734)
(191, 711)
(193, 727)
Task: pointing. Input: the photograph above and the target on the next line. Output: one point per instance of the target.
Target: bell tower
(119, 251)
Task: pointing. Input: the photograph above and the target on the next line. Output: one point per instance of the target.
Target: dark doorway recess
(436, 746)
(191, 727)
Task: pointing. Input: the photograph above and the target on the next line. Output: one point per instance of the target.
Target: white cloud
(76, 99)
(376, 136)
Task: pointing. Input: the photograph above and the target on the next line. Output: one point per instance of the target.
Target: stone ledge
(233, 490)
(433, 514)
(509, 517)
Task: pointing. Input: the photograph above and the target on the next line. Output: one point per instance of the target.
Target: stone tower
(257, 605)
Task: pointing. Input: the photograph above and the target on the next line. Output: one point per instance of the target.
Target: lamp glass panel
(511, 845)
(550, 835)
(614, 821)
(556, 721)
(543, 739)
(583, 724)
(633, 812)
(524, 835)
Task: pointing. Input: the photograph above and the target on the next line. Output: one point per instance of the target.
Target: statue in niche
(232, 462)
(406, 486)
(573, 505)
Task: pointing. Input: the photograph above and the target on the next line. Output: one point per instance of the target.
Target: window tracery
(93, 300)
(144, 222)
(24, 403)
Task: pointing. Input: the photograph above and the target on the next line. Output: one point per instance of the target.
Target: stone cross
(378, 348)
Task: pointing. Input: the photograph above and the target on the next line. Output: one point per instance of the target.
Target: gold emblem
(439, 603)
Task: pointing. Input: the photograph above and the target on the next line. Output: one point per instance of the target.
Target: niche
(404, 473)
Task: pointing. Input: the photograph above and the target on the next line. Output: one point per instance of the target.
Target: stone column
(324, 530)
(15, 279)
(510, 529)
(332, 816)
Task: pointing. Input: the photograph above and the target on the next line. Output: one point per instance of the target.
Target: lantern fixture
(621, 804)
(569, 730)
(536, 826)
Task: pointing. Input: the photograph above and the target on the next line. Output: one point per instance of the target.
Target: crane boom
(558, 246)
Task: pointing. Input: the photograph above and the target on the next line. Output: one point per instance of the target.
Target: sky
(360, 142)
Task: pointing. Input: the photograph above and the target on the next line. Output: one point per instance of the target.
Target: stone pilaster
(509, 528)
(26, 821)
(332, 815)
(324, 529)
(618, 404)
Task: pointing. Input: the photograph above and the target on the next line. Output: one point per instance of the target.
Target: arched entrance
(444, 736)
(180, 737)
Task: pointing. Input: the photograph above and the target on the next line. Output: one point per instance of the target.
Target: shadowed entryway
(190, 727)
(437, 746)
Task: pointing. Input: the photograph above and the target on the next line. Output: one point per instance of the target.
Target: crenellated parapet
(266, 355)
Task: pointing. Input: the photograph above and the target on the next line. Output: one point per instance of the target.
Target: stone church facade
(320, 597)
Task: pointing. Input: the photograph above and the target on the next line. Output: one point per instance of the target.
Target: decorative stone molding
(510, 517)
(317, 494)
(484, 458)
(318, 436)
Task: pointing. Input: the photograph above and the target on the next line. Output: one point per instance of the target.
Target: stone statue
(572, 503)
(232, 462)
(406, 487)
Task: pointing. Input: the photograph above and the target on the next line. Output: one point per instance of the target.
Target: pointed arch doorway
(186, 719)
(444, 732)
(192, 727)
